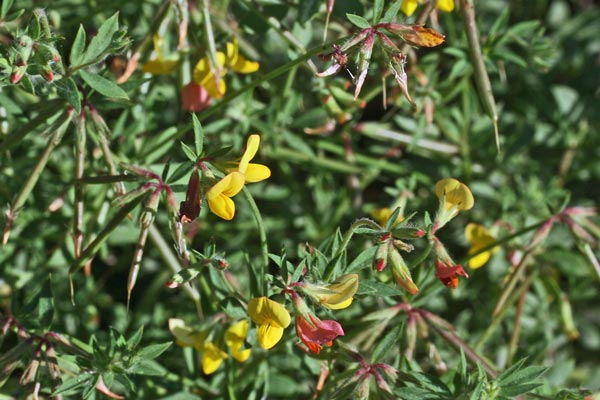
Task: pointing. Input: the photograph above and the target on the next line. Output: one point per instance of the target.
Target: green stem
(263, 237)
(210, 42)
(498, 318)
(510, 285)
(459, 344)
(80, 138)
(345, 240)
(482, 79)
(114, 222)
(172, 262)
(59, 126)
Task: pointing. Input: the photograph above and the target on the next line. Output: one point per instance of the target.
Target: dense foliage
(299, 199)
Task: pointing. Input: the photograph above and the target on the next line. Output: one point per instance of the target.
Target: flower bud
(401, 272)
(335, 295)
(566, 313)
(381, 256)
(17, 73)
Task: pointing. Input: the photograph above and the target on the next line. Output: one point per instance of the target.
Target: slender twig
(173, 264)
(59, 127)
(80, 137)
(514, 339)
(456, 342)
(482, 80)
(262, 235)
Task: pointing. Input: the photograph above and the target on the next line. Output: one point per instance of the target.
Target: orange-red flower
(316, 333)
(448, 274)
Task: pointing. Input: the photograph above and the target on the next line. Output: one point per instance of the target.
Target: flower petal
(256, 173)
(184, 335)
(250, 152)
(212, 357)
(408, 7)
(235, 337)
(159, 66)
(263, 310)
(269, 335)
(338, 306)
(445, 5)
(222, 206)
(237, 62)
(456, 194)
(202, 72)
(480, 259)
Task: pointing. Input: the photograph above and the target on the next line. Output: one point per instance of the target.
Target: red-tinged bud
(17, 73)
(401, 272)
(190, 208)
(381, 256)
(220, 262)
(356, 39)
(364, 58)
(541, 233)
(48, 74)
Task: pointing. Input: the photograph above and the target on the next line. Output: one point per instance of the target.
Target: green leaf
(377, 10)
(102, 40)
(358, 21)
(76, 55)
(376, 288)
(387, 343)
(103, 86)
(198, 135)
(183, 276)
(391, 12)
(75, 382)
(154, 350)
(147, 367)
(6, 5)
(134, 340)
(67, 89)
(363, 260)
(34, 29)
(189, 153)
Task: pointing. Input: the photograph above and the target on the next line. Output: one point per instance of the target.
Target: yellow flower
(479, 237)
(235, 336)
(408, 7)
(215, 85)
(454, 194)
(271, 317)
(252, 172)
(336, 295)
(159, 65)
(219, 196)
(212, 355)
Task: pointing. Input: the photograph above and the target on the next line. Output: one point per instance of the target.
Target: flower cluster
(213, 354)
(207, 79)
